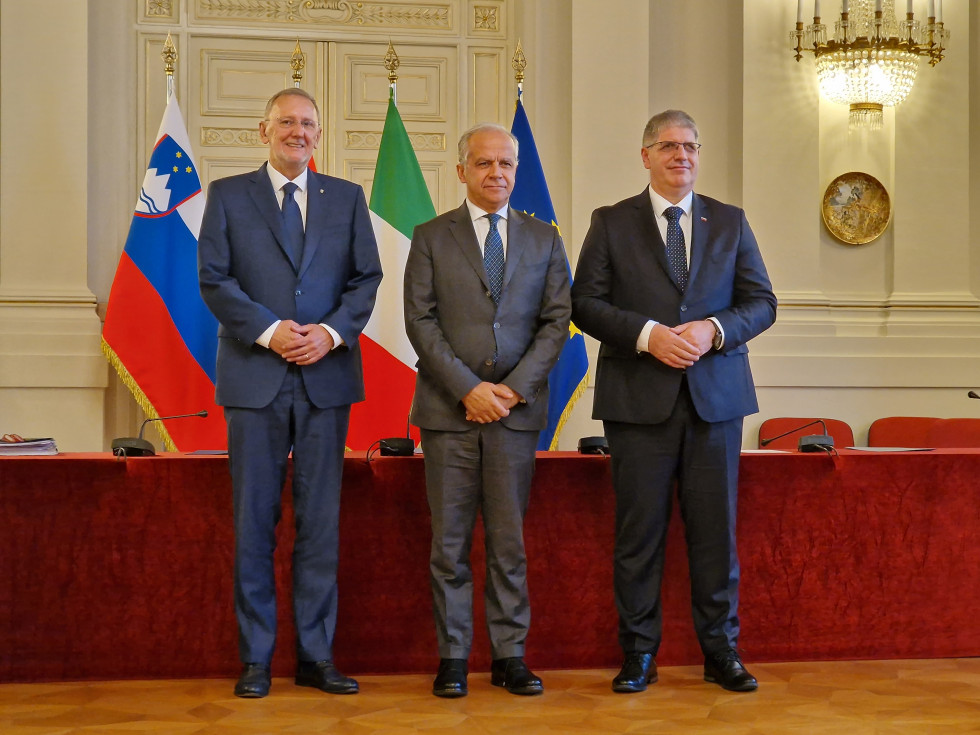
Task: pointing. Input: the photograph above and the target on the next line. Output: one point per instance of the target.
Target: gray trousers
(486, 469)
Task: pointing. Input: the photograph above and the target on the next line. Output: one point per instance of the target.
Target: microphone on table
(398, 446)
(137, 446)
(810, 443)
(593, 445)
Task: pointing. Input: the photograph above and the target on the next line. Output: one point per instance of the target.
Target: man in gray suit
(289, 266)
(673, 285)
(487, 309)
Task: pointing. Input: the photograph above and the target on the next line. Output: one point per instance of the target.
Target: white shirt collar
(476, 212)
(278, 180)
(660, 204)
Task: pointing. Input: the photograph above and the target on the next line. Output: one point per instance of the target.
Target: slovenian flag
(399, 201)
(570, 376)
(158, 334)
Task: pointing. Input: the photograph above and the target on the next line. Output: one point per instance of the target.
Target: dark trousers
(648, 460)
(487, 469)
(259, 442)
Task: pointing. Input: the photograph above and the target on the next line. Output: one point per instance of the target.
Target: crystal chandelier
(873, 58)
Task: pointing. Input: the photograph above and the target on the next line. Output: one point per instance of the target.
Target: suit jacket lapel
(265, 201)
(650, 232)
(317, 214)
(699, 237)
(462, 230)
(515, 243)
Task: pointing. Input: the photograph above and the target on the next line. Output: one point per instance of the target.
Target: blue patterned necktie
(676, 252)
(292, 221)
(493, 258)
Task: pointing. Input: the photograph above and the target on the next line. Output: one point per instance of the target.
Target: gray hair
(463, 149)
(291, 92)
(667, 119)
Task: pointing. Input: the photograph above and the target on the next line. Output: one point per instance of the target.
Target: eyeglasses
(287, 123)
(671, 146)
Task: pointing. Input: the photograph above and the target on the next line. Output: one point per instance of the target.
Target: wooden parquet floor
(842, 697)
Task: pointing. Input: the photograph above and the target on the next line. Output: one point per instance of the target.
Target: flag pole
(297, 62)
(392, 62)
(169, 56)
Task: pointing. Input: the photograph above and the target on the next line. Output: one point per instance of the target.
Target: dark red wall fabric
(122, 569)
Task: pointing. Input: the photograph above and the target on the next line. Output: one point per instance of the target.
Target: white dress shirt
(482, 225)
(279, 181)
(659, 205)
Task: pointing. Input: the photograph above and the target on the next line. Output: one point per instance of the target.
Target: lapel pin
(704, 219)
(321, 191)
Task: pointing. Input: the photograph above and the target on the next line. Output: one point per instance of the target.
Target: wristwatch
(716, 341)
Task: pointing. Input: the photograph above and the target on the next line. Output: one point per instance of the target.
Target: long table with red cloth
(118, 568)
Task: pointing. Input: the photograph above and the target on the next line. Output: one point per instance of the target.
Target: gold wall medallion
(856, 208)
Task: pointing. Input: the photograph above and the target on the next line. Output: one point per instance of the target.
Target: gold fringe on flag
(573, 399)
(130, 382)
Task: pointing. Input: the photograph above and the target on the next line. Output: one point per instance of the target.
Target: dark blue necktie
(292, 221)
(676, 253)
(493, 258)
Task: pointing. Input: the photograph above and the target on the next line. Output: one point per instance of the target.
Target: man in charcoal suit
(487, 310)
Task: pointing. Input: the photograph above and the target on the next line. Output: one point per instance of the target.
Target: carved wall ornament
(331, 12)
(371, 140)
(485, 18)
(230, 137)
(159, 9)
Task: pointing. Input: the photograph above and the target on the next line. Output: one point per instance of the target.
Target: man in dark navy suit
(289, 266)
(673, 285)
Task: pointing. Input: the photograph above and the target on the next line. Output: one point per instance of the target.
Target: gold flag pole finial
(519, 63)
(392, 62)
(297, 63)
(169, 56)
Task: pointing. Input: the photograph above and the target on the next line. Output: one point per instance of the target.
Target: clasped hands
(489, 402)
(683, 345)
(303, 344)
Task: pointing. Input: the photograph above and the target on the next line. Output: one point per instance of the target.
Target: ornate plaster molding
(331, 13)
(230, 137)
(371, 140)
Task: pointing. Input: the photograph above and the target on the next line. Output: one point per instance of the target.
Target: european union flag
(570, 375)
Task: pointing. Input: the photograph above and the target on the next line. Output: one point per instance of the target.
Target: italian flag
(399, 201)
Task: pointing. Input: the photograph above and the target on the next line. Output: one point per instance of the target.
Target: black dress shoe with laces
(639, 669)
(254, 682)
(725, 668)
(450, 681)
(323, 675)
(513, 675)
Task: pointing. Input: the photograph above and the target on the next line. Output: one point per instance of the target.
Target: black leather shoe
(725, 668)
(639, 669)
(513, 675)
(254, 681)
(324, 676)
(450, 681)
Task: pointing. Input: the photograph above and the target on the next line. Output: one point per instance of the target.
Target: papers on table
(12, 445)
(893, 449)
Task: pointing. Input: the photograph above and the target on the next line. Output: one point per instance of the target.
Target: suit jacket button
(298, 292)
(488, 363)
(496, 325)
(488, 294)
(683, 307)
